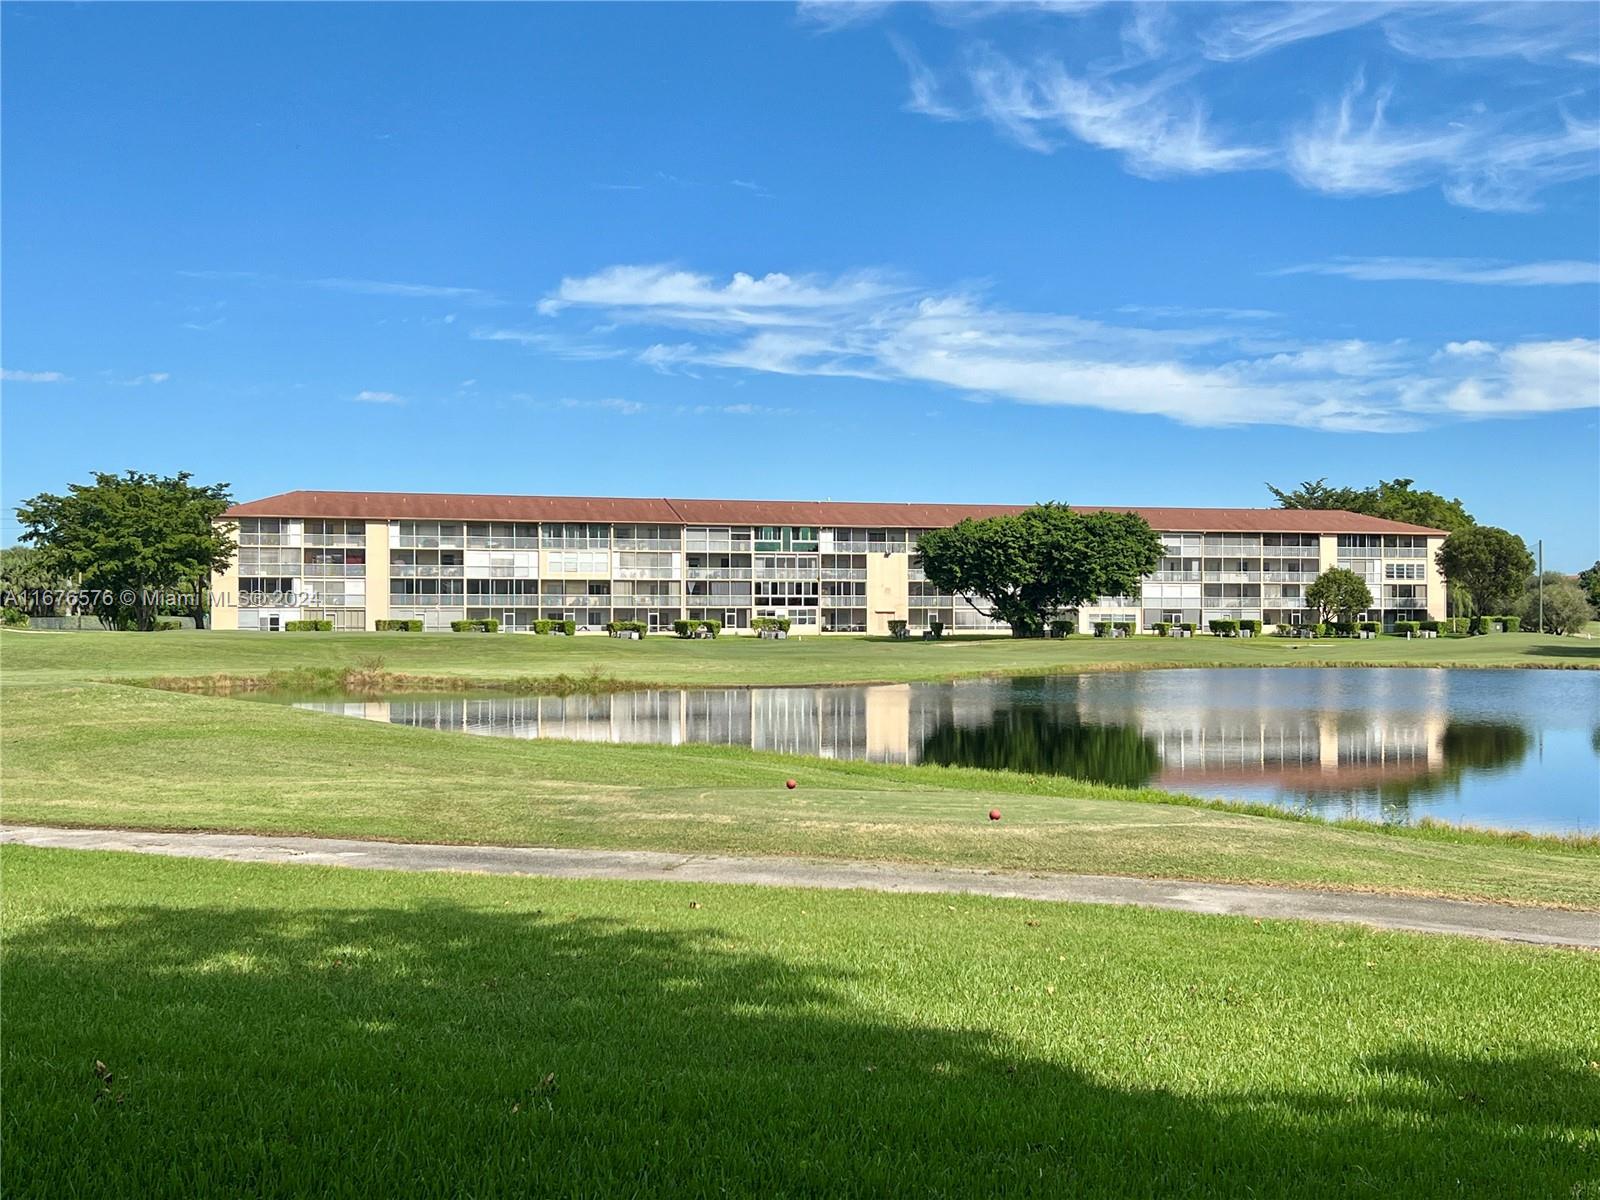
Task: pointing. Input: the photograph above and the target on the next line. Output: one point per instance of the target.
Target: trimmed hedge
(1225, 627)
(1186, 626)
(1102, 628)
(13, 618)
(1341, 628)
(1161, 628)
(1127, 627)
(290, 626)
(899, 630)
(936, 628)
(1060, 628)
(1402, 628)
(779, 624)
(688, 628)
(412, 625)
(169, 626)
(1252, 625)
(639, 627)
(1480, 625)
(476, 625)
(1282, 630)
(1371, 627)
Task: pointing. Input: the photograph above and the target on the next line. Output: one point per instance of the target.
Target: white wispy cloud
(148, 377)
(427, 291)
(360, 287)
(627, 408)
(1352, 148)
(742, 300)
(10, 376)
(374, 397)
(1157, 131)
(1556, 272)
(1232, 374)
(1153, 96)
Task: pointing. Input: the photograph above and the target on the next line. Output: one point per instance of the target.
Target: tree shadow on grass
(442, 1049)
(1578, 651)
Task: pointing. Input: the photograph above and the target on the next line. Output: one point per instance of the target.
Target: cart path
(1504, 922)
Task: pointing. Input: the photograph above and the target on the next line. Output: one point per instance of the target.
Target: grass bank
(176, 1028)
(100, 754)
(731, 661)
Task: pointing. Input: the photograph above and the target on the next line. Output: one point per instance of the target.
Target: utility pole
(1541, 585)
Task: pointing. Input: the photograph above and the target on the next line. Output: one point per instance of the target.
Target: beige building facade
(357, 558)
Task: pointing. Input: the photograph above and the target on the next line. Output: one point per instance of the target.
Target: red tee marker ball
(790, 784)
(994, 814)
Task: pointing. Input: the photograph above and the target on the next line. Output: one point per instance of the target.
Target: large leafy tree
(1589, 581)
(1566, 608)
(132, 541)
(1024, 568)
(1490, 563)
(1339, 592)
(1392, 499)
(28, 584)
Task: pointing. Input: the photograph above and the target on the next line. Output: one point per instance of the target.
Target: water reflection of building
(1143, 732)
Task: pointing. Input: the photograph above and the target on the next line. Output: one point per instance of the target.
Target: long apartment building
(357, 558)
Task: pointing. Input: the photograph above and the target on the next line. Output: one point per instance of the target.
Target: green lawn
(294, 1030)
(93, 754)
(38, 656)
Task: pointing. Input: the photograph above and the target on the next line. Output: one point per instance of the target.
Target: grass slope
(180, 1028)
(41, 657)
(90, 754)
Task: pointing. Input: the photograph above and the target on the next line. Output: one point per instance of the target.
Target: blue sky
(1021, 252)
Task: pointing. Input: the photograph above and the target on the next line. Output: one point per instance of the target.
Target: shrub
(711, 627)
(1161, 628)
(936, 628)
(1283, 630)
(543, 625)
(1513, 624)
(567, 627)
(1481, 625)
(1126, 627)
(1370, 627)
(169, 626)
(1060, 628)
(1425, 626)
(1402, 628)
(13, 618)
(477, 625)
(898, 629)
(288, 626)
(413, 625)
(1252, 625)
(777, 624)
(1186, 626)
(1457, 625)
(1320, 629)
(1224, 628)
(1341, 628)
(1102, 629)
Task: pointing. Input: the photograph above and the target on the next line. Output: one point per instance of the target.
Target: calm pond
(1506, 749)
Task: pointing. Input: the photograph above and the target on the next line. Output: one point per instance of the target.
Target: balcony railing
(856, 574)
(425, 571)
(1174, 577)
(333, 570)
(423, 542)
(645, 544)
(646, 573)
(718, 573)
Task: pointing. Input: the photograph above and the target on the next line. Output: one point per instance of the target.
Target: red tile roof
(425, 506)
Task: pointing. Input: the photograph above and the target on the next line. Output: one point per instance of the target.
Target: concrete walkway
(1501, 921)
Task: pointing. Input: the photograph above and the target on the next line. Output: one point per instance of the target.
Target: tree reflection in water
(1036, 741)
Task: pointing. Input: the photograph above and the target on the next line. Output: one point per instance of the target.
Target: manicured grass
(296, 1030)
(92, 754)
(39, 656)
(292, 1029)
